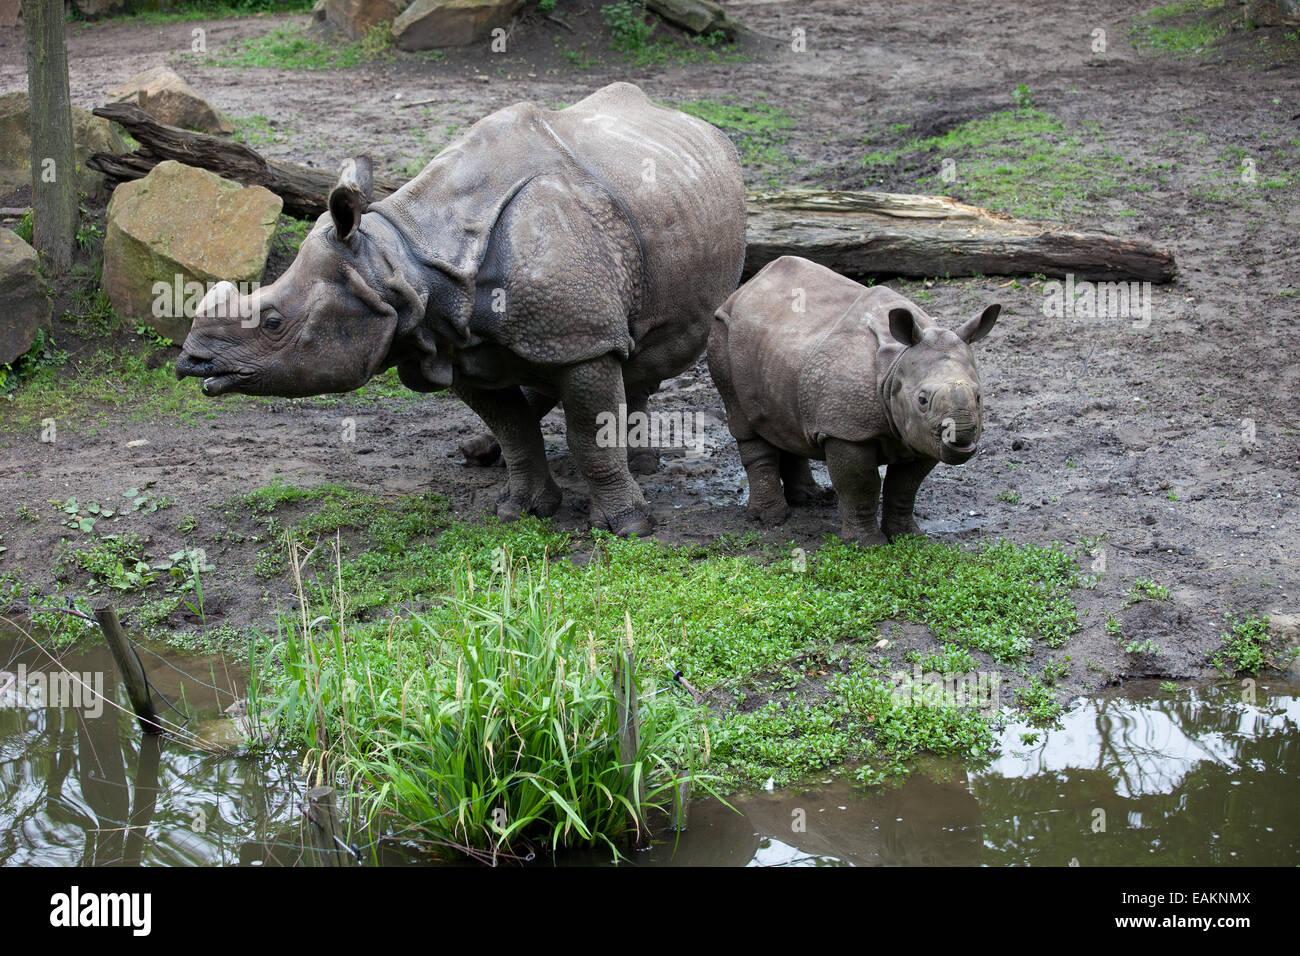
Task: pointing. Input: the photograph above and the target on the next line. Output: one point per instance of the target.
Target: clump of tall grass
(492, 730)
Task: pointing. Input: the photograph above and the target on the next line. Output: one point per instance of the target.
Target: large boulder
(354, 18)
(90, 134)
(1273, 13)
(698, 16)
(188, 229)
(24, 304)
(427, 24)
(165, 96)
(94, 9)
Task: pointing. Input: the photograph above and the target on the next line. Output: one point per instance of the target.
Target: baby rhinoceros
(813, 365)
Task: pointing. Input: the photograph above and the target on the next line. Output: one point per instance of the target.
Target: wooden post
(128, 664)
(326, 828)
(629, 735)
(683, 803)
(54, 177)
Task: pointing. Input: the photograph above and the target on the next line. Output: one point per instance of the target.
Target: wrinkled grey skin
(571, 256)
(859, 378)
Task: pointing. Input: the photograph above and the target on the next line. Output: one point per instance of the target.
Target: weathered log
(304, 189)
(863, 234)
(859, 234)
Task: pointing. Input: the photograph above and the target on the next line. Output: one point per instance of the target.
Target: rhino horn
(350, 197)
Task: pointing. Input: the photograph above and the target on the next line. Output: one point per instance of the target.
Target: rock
(90, 134)
(24, 305)
(354, 18)
(1272, 13)
(165, 96)
(698, 16)
(94, 9)
(182, 225)
(427, 24)
(9, 10)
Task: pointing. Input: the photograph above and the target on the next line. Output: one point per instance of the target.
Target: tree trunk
(862, 234)
(858, 234)
(304, 189)
(54, 180)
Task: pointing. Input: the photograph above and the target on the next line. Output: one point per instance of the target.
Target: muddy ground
(1175, 444)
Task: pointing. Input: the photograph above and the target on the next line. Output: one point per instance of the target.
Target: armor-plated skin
(813, 365)
(545, 256)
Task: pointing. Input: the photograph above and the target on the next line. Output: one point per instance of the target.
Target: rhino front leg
(902, 481)
(855, 475)
(762, 461)
(530, 489)
(587, 390)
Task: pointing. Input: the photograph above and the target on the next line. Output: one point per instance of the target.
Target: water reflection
(83, 790)
(1199, 777)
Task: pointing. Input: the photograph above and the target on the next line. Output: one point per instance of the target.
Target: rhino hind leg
(762, 461)
(902, 481)
(484, 450)
(530, 489)
(641, 461)
(587, 390)
(855, 475)
(801, 487)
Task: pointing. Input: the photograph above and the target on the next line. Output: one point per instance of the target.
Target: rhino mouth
(955, 454)
(215, 379)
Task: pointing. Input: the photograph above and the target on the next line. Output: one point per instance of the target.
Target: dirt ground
(1176, 445)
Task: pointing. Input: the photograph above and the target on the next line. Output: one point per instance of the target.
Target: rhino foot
(804, 495)
(625, 523)
(482, 450)
(542, 504)
(768, 512)
(865, 536)
(898, 529)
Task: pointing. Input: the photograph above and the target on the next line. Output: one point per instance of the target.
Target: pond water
(1206, 775)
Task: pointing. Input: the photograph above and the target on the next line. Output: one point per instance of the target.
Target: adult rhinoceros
(575, 255)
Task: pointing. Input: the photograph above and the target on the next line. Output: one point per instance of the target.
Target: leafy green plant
(493, 731)
(1244, 646)
(81, 517)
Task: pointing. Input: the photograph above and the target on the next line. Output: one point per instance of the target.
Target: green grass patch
(759, 130)
(1183, 29)
(729, 619)
(291, 47)
(1025, 162)
(207, 10)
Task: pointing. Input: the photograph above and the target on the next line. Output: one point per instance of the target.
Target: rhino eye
(271, 322)
(923, 399)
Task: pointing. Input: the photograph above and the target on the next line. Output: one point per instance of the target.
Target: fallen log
(859, 234)
(304, 189)
(863, 234)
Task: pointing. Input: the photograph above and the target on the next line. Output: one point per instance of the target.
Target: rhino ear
(902, 326)
(975, 329)
(348, 200)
